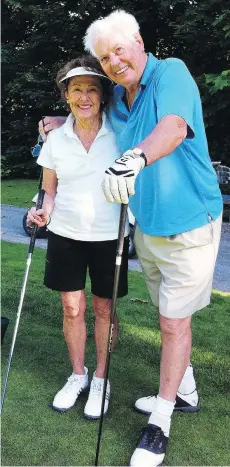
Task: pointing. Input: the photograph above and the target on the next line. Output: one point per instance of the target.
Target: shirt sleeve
(45, 157)
(175, 93)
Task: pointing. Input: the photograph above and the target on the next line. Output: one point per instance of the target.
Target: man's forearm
(166, 136)
(49, 124)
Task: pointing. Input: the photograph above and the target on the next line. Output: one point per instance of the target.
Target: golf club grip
(121, 231)
(39, 203)
(43, 123)
(40, 199)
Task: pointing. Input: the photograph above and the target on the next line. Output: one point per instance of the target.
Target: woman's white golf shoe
(93, 406)
(67, 396)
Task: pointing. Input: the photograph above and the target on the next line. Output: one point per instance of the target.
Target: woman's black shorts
(67, 261)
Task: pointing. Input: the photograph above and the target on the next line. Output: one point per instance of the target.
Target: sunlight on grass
(223, 294)
(143, 334)
(208, 357)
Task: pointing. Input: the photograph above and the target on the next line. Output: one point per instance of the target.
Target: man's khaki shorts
(179, 269)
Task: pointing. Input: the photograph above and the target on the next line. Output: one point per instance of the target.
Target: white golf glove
(119, 179)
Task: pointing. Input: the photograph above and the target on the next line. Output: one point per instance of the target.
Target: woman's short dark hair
(90, 63)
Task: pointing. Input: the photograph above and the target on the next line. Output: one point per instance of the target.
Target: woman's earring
(67, 101)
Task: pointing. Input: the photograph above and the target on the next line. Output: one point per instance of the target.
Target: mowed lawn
(33, 434)
(18, 192)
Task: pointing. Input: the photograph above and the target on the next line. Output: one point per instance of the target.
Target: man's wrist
(137, 152)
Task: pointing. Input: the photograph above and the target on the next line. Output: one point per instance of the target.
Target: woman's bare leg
(74, 328)
(102, 308)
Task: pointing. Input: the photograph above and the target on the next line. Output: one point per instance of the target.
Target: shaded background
(38, 37)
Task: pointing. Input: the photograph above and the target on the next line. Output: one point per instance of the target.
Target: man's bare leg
(175, 357)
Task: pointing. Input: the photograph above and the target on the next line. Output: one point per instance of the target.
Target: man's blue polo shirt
(180, 191)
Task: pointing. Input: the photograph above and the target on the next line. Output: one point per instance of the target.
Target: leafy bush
(38, 37)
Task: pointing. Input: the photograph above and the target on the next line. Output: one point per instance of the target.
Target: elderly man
(157, 116)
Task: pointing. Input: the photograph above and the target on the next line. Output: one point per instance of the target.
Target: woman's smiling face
(84, 95)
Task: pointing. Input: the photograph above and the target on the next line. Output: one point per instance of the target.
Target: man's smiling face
(123, 60)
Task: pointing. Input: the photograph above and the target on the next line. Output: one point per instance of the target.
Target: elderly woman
(82, 225)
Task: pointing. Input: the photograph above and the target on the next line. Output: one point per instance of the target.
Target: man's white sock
(161, 414)
(188, 383)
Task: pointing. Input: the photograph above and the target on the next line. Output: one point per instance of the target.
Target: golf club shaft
(120, 244)
(41, 173)
(28, 262)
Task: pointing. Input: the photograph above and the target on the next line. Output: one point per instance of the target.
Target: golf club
(120, 244)
(28, 262)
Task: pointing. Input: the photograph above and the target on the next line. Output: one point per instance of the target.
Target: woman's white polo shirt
(81, 211)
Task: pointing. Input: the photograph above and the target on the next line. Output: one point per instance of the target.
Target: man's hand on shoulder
(49, 124)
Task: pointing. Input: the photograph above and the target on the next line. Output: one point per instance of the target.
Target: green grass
(33, 434)
(18, 192)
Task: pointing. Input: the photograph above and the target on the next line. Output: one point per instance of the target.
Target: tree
(39, 37)
(202, 29)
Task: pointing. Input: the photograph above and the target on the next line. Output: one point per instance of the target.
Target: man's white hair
(118, 21)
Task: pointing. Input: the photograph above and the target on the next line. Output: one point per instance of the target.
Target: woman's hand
(39, 217)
